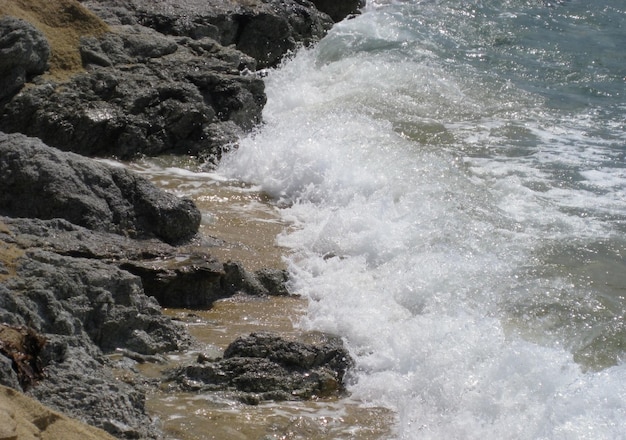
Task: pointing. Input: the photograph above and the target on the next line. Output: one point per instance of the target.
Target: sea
(453, 174)
(450, 177)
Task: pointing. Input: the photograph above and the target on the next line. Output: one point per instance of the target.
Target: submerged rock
(264, 366)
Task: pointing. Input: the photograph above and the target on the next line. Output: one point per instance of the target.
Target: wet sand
(247, 223)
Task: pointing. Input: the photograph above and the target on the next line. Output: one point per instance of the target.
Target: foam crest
(444, 218)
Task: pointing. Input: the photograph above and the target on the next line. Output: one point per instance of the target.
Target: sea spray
(454, 179)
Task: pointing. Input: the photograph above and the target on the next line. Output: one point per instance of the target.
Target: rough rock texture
(263, 366)
(197, 281)
(42, 182)
(176, 276)
(24, 53)
(66, 284)
(264, 29)
(80, 278)
(171, 77)
(84, 308)
(22, 346)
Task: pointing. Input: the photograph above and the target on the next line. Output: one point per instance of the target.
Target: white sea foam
(438, 226)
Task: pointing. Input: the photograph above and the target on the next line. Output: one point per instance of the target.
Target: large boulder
(24, 53)
(171, 77)
(42, 182)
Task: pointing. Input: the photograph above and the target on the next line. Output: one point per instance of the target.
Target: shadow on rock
(263, 366)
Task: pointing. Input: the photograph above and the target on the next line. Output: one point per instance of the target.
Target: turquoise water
(454, 172)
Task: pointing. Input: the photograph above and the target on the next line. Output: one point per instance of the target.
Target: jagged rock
(195, 280)
(175, 276)
(42, 182)
(171, 77)
(144, 93)
(263, 366)
(82, 307)
(24, 53)
(263, 29)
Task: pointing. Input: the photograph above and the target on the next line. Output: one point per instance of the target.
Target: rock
(24, 52)
(42, 182)
(83, 308)
(79, 297)
(145, 94)
(66, 283)
(175, 276)
(264, 29)
(172, 77)
(8, 376)
(80, 387)
(197, 281)
(263, 366)
(339, 9)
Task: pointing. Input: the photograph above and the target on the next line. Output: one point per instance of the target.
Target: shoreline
(215, 328)
(81, 265)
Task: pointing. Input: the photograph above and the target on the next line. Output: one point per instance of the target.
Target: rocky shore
(90, 252)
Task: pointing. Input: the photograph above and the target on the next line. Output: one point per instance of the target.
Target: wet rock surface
(84, 309)
(264, 366)
(71, 286)
(339, 9)
(263, 29)
(143, 94)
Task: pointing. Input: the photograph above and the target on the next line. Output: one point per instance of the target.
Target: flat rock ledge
(263, 366)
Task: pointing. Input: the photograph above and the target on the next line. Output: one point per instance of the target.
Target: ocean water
(454, 174)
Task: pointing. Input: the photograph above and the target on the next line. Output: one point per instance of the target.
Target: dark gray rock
(24, 52)
(84, 308)
(264, 29)
(339, 9)
(79, 384)
(144, 94)
(77, 297)
(42, 182)
(66, 283)
(173, 77)
(184, 277)
(188, 281)
(263, 366)
(197, 281)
